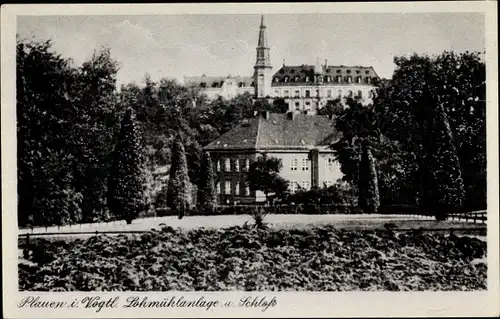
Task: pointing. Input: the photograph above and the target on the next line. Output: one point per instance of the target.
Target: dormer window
(358, 79)
(367, 72)
(276, 80)
(348, 79)
(357, 71)
(203, 84)
(307, 79)
(367, 79)
(348, 71)
(286, 79)
(339, 71)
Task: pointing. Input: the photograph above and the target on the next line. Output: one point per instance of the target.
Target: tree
(444, 188)
(45, 118)
(95, 130)
(126, 182)
(420, 84)
(178, 182)
(369, 199)
(207, 198)
(263, 175)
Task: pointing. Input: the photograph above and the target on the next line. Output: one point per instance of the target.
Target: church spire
(262, 46)
(262, 34)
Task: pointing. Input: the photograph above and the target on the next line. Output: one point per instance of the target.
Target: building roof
(278, 132)
(209, 81)
(297, 75)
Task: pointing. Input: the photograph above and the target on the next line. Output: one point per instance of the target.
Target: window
(286, 79)
(328, 183)
(228, 165)
(297, 106)
(227, 188)
(218, 188)
(329, 93)
(297, 93)
(349, 94)
(358, 79)
(218, 166)
(307, 79)
(276, 79)
(308, 105)
(277, 92)
(293, 186)
(370, 94)
(237, 188)
(294, 165)
(317, 93)
(360, 94)
(247, 191)
(308, 93)
(305, 185)
(349, 79)
(367, 79)
(330, 164)
(237, 165)
(286, 93)
(247, 165)
(305, 164)
(338, 79)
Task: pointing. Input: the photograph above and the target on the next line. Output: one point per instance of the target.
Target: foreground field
(319, 258)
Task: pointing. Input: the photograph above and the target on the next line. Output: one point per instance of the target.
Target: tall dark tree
(178, 181)
(126, 182)
(46, 114)
(443, 183)
(369, 198)
(95, 130)
(207, 197)
(263, 175)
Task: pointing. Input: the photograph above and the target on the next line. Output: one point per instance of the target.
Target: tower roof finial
(262, 21)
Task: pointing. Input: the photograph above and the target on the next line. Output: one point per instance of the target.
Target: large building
(305, 88)
(301, 142)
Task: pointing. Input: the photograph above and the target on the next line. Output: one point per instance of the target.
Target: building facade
(305, 88)
(300, 141)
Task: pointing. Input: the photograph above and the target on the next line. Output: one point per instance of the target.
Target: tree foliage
(263, 175)
(369, 198)
(127, 181)
(207, 197)
(178, 181)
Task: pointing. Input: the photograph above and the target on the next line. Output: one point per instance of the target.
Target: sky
(174, 46)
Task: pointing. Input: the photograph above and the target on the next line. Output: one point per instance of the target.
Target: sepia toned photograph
(213, 153)
(259, 152)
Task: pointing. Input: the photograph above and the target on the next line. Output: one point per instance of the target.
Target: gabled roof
(300, 73)
(278, 132)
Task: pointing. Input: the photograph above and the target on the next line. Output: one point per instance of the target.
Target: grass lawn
(374, 221)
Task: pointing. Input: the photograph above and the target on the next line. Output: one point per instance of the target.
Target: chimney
(326, 63)
(290, 115)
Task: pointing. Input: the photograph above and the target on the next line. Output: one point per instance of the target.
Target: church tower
(262, 68)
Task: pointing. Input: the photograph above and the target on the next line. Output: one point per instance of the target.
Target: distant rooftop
(278, 131)
(305, 74)
(217, 81)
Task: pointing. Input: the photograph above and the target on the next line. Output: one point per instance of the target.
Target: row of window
(331, 164)
(328, 79)
(233, 165)
(228, 189)
(326, 93)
